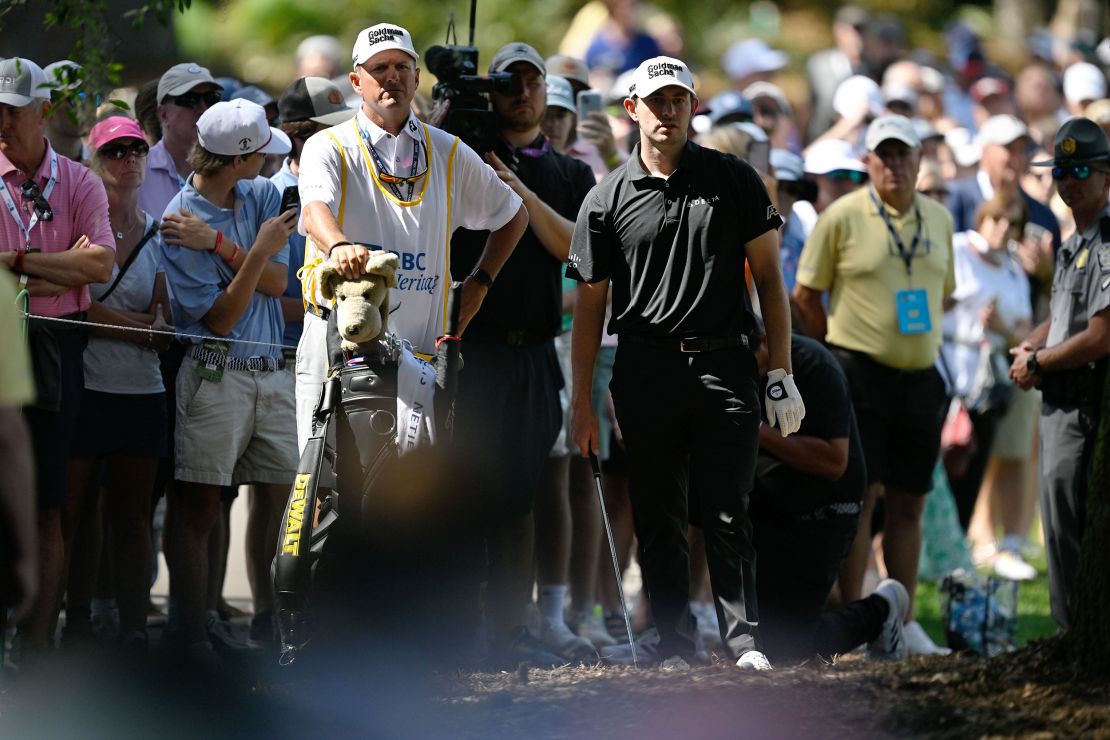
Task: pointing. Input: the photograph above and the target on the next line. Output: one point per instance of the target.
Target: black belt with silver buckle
(247, 364)
(692, 345)
(322, 311)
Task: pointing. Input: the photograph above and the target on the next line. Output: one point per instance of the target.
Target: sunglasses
(139, 149)
(1077, 171)
(847, 176)
(390, 179)
(939, 193)
(31, 192)
(767, 112)
(193, 99)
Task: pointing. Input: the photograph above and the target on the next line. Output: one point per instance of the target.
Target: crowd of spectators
(132, 228)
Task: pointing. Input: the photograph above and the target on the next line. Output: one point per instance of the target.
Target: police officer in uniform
(671, 229)
(1066, 355)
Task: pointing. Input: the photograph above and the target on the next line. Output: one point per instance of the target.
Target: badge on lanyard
(913, 311)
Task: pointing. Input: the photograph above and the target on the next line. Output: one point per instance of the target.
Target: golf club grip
(595, 465)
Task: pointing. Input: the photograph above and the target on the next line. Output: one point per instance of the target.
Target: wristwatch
(482, 277)
(1032, 365)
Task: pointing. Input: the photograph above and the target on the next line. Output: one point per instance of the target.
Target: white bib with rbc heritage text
(458, 190)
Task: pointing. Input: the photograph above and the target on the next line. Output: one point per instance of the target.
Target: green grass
(1034, 618)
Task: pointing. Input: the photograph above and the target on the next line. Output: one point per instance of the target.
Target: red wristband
(219, 243)
(230, 259)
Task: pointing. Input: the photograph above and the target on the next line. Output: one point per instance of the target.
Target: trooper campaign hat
(1079, 140)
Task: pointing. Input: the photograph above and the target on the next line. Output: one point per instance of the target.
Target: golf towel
(416, 384)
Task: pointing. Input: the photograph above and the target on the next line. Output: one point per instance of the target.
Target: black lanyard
(906, 254)
(416, 148)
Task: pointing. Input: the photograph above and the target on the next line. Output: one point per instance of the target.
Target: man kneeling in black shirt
(804, 509)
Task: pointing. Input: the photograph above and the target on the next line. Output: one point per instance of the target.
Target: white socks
(551, 601)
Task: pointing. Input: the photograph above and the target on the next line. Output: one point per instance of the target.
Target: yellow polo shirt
(17, 386)
(853, 256)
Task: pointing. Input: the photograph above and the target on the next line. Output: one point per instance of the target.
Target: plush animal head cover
(362, 303)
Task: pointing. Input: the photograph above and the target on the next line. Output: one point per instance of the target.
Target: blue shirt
(284, 178)
(620, 56)
(199, 278)
(793, 239)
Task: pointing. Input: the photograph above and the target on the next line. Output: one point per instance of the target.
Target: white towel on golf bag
(416, 385)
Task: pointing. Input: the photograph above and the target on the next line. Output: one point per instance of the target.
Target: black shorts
(900, 414)
(120, 423)
(52, 430)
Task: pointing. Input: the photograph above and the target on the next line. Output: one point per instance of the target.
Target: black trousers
(691, 422)
(798, 563)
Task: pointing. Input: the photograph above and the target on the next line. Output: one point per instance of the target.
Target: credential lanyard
(906, 254)
(26, 230)
(416, 149)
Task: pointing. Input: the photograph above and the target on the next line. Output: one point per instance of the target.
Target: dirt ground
(1029, 694)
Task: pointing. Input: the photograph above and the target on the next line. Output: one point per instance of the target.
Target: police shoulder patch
(1104, 258)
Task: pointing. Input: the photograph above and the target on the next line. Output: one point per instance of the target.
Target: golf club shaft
(613, 553)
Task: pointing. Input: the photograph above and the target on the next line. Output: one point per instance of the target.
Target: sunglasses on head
(31, 192)
(847, 176)
(120, 151)
(193, 99)
(1076, 171)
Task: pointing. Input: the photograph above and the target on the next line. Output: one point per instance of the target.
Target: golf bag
(354, 439)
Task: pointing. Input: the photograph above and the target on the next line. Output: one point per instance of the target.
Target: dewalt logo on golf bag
(294, 516)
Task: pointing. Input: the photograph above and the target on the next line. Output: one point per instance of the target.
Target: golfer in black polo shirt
(671, 229)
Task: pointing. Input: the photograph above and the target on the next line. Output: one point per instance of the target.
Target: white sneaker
(890, 644)
(674, 663)
(591, 626)
(1011, 566)
(919, 643)
(983, 554)
(753, 660)
(555, 636)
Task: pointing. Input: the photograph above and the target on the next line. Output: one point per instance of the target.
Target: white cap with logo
(887, 127)
(22, 82)
(660, 72)
(830, 155)
(239, 127)
(382, 37)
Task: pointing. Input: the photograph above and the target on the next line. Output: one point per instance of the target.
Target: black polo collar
(688, 160)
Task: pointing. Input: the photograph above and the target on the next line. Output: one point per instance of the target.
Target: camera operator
(385, 181)
(508, 402)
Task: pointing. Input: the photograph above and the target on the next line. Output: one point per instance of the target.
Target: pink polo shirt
(80, 207)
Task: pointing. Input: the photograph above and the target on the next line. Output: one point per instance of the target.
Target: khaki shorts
(239, 430)
(1013, 439)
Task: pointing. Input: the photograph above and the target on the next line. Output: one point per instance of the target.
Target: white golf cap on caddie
(887, 127)
(382, 37)
(659, 72)
(239, 127)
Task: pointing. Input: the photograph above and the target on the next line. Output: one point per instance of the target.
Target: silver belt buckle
(682, 346)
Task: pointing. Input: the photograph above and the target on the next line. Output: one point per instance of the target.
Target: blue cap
(730, 104)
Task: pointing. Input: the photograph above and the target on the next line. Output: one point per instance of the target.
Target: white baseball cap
(660, 72)
(1003, 129)
(239, 127)
(560, 93)
(1084, 82)
(855, 93)
(22, 82)
(382, 37)
(514, 52)
(829, 155)
(770, 90)
(891, 127)
(750, 56)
